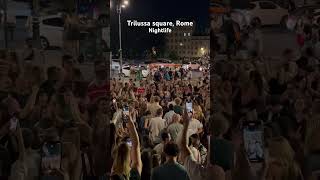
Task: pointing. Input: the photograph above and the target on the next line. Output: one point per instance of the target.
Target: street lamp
(202, 51)
(121, 5)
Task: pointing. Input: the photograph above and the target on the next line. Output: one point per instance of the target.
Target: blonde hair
(176, 118)
(177, 101)
(121, 163)
(282, 152)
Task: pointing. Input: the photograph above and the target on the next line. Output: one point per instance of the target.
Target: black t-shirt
(276, 88)
(48, 87)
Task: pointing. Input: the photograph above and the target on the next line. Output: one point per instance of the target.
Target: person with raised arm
(195, 170)
(126, 156)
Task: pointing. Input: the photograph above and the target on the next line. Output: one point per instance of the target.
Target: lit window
(184, 34)
(189, 34)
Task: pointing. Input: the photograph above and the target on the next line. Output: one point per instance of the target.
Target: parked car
(268, 13)
(115, 65)
(145, 70)
(240, 17)
(163, 60)
(126, 69)
(51, 30)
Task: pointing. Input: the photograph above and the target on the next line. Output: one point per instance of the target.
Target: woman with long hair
(127, 162)
(282, 164)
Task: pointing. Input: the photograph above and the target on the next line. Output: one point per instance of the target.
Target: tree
(173, 56)
(69, 5)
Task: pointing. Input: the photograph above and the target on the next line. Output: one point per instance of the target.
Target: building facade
(186, 43)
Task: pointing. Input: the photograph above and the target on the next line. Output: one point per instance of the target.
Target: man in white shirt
(165, 137)
(168, 115)
(156, 125)
(195, 170)
(154, 106)
(195, 126)
(175, 127)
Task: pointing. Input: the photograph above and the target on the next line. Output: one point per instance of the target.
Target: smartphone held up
(13, 123)
(51, 153)
(253, 141)
(189, 107)
(125, 113)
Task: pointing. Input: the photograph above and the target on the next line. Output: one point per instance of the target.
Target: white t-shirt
(156, 125)
(174, 129)
(196, 154)
(168, 117)
(195, 125)
(179, 136)
(159, 148)
(198, 172)
(153, 108)
(194, 169)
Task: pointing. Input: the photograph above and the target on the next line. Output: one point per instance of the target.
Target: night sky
(154, 10)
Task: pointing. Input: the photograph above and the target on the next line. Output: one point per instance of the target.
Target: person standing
(127, 161)
(72, 33)
(99, 86)
(11, 25)
(154, 106)
(195, 141)
(196, 170)
(165, 137)
(168, 116)
(171, 169)
(175, 127)
(156, 125)
(230, 35)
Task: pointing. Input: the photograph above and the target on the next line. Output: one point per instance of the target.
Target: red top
(95, 91)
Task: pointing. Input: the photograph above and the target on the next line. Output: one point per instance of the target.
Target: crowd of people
(55, 125)
(52, 120)
(307, 32)
(157, 113)
(283, 95)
